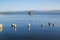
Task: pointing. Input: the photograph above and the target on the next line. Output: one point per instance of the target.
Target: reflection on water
(28, 27)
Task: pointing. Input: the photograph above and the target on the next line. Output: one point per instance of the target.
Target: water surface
(36, 32)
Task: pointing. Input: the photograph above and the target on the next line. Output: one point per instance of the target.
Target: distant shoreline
(34, 12)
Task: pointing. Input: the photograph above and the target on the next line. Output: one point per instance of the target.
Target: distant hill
(24, 12)
(53, 11)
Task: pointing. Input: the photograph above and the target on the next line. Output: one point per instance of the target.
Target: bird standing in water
(1, 27)
(29, 26)
(53, 24)
(42, 26)
(49, 23)
(30, 13)
(14, 26)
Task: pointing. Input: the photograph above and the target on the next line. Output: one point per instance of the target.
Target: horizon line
(29, 10)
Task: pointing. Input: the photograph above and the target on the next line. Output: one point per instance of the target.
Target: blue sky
(22, 5)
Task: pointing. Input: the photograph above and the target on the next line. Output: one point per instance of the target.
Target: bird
(29, 26)
(30, 13)
(42, 26)
(49, 23)
(14, 26)
(1, 27)
(53, 24)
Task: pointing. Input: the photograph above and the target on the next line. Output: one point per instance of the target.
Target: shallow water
(35, 32)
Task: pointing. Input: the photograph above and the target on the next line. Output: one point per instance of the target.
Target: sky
(22, 5)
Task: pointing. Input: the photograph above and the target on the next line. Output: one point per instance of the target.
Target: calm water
(36, 32)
